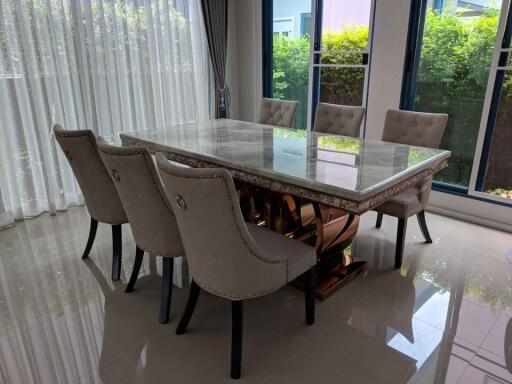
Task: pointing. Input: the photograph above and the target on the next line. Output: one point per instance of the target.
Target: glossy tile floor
(445, 317)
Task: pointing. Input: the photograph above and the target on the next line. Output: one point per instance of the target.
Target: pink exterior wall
(340, 13)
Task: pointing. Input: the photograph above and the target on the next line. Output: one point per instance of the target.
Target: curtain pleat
(215, 15)
(106, 65)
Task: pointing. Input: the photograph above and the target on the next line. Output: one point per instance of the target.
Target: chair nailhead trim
(242, 236)
(143, 151)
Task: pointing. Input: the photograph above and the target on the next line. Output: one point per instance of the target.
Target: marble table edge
(357, 207)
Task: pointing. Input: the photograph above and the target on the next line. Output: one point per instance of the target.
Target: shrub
(456, 54)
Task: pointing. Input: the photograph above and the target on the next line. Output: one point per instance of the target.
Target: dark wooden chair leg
(165, 300)
(236, 338)
(423, 226)
(139, 256)
(189, 309)
(90, 240)
(378, 224)
(117, 241)
(400, 241)
(309, 295)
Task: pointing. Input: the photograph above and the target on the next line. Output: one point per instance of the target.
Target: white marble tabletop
(343, 172)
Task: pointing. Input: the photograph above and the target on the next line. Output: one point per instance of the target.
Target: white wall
(388, 53)
(387, 62)
(476, 211)
(249, 57)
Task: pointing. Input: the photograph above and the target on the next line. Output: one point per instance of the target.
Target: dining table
(351, 174)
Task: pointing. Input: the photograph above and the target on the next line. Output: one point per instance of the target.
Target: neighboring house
(292, 18)
(468, 7)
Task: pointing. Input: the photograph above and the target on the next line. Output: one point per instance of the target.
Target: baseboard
(470, 218)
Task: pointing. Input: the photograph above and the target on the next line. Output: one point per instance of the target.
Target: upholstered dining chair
(151, 217)
(230, 259)
(100, 195)
(276, 112)
(338, 119)
(419, 129)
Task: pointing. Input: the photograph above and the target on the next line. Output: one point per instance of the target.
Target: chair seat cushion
(403, 205)
(299, 256)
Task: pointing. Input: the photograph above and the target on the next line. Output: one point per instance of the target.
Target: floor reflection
(465, 297)
(445, 317)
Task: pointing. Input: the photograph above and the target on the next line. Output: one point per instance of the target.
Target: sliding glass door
(457, 63)
(450, 62)
(492, 169)
(317, 51)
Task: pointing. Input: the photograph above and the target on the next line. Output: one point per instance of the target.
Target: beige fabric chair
(151, 218)
(280, 113)
(338, 119)
(412, 128)
(99, 193)
(230, 258)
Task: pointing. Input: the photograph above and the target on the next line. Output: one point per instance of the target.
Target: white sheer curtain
(105, 65)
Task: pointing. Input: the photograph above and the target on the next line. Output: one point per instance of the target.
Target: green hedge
(455, 59)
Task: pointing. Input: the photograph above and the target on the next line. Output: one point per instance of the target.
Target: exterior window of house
(305, 24)
(283, 26)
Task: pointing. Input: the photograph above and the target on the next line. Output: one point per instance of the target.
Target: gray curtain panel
(215, 13)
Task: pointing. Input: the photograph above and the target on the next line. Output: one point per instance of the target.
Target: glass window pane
(456, 54)
(498, 174)
(291, 45)
(339, 57)
(345, 24)
(345, 29)
(343, 85)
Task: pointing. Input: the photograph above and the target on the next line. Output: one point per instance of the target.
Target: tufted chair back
(277, 112)
(99, 192)
(338, 119)
(137, 181)
(222, 256)
(414, 128)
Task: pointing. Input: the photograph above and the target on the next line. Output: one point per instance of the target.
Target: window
(289, 52)
(341, 52)
(448, 70)
(492, 170)
(335, 71)
(305, 24)
(283, 26)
